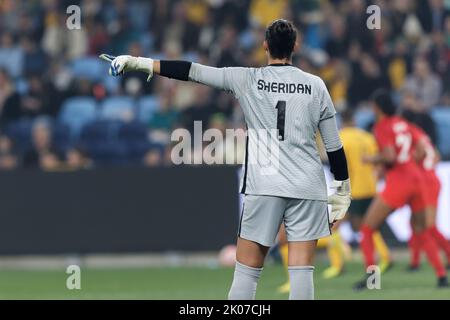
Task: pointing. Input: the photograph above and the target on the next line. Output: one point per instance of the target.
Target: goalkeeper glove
(340, 200)
(126, 63)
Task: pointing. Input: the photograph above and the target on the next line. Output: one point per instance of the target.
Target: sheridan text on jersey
(281, 87)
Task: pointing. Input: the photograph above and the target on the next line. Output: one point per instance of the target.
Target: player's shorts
(432, 188)
(303, 219)
(404, 188)
(358, 207)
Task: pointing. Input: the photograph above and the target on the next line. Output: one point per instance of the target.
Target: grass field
(206, 283)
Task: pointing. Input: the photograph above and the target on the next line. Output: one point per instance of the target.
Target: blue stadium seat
(117, 108)
(62, 136)
(20, 133)
(91, 68)
(363, 118)
(133, 131)
(147, 106)
(135, 137)
(77, 112)
(100, 131)
(100, 140)
(111, 84)
(441, 116)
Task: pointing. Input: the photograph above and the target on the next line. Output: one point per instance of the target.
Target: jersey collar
(279, 64)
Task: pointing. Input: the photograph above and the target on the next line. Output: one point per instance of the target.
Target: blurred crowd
(409, 55)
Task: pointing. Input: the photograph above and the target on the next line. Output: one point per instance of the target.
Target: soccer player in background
(289, 188)
(403, 185)
(360, 144)
(427, 157)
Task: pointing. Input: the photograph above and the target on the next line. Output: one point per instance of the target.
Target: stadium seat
(363, 118)
(62, 136)
(117, 108)
(111, 84)
(441, 116)
(20, 133)
(77, 112)
(133, 131)
(135, 137)
(147, 106)
(100, 140)
(100, 131)
(90, 68)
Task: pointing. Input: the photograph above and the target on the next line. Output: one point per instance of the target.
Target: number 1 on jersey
(281, 117)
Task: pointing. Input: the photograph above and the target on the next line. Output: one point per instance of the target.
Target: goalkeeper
(285, 184)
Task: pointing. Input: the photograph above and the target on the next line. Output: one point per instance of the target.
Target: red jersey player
(427, 157)
(403, 185)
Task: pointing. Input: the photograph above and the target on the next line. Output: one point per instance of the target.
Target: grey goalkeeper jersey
(284, 108)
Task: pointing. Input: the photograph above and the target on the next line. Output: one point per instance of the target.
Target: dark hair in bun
(281, 36)
(383, 100)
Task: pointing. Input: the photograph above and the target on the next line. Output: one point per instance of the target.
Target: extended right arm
(230, 79)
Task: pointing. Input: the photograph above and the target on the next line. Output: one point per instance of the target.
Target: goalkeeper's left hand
(126, 63)
(340, 200)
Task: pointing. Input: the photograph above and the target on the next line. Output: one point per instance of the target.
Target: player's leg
(301, 269)
(428, 245)
(258, 228)
(441, 241)
(414, 249)
(305, 222)
(377, 213)
(434, 187)
(424, 236)
(249, 264)
(357, 210)
(283, 249)
(336, 253)
(383, 252)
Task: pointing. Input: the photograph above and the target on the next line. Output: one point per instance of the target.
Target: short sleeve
(327, 109)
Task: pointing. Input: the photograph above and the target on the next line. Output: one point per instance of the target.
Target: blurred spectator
(77, 158)
(337, 42)
(153, 158)
(163, 121)
(43, 154)
(200, 110)
(398, 64)
(35, 60)
(262, 12)
(367, 77)
(412, 110)
(423, 81)
(9, 99)
(8, 156)
(40, 99)
(11, 55)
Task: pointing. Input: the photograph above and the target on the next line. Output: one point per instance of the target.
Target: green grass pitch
(207, 283)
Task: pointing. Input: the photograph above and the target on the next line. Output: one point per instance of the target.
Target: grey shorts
(303, 219)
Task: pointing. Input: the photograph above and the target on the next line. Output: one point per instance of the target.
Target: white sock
(302, 283)
(244, 283)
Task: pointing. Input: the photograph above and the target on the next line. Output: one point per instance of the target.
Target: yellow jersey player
(359, 144)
